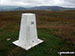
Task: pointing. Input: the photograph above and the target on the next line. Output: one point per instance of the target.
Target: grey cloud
(68, 3)
(65, 3)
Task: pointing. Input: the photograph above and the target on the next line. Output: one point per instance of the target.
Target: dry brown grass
(62, 21)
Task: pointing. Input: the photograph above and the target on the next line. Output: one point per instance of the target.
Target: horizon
(32, 6)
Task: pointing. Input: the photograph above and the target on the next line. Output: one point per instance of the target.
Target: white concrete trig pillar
(28, 32)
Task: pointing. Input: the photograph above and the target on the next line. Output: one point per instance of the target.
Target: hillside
(8, 8)
(52, 8)
(57, 29)
(49, 8)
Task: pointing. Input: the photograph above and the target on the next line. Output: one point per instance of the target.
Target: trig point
(28, 32)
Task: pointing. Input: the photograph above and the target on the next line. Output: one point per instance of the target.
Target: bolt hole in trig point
(32, 22)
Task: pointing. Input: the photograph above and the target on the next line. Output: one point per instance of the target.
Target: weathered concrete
(28, 32)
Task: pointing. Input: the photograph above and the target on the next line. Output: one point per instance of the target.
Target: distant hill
(55, 8)
(11, 8)
(20, 8)
(7, 8)
(51, 8)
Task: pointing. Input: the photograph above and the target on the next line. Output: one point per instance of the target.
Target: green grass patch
(48, 48)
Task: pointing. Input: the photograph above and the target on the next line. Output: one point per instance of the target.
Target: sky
(31, 3)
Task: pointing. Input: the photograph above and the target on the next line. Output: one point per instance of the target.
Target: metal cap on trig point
(28, 32)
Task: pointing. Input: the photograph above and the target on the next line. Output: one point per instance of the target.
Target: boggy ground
(57, 29)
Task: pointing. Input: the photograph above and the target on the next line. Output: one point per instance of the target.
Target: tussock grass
(57, 29)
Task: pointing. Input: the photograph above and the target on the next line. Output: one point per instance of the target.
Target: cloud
(13, 3)
(64, 3)
(68, 3)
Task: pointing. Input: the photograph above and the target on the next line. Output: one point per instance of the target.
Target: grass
(57, 29)
(45, 49)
